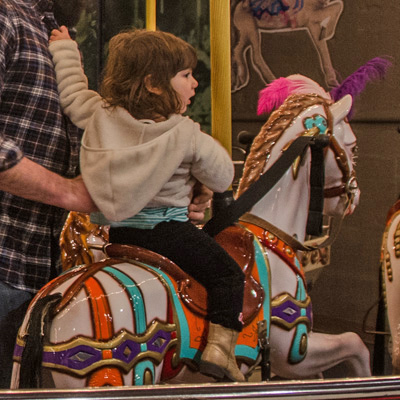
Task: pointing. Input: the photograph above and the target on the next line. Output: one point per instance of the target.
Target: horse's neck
(286, 204)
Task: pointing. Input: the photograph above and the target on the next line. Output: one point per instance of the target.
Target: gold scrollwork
(396, 240)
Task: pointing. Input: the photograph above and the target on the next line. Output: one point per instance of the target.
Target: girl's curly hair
(140, 56)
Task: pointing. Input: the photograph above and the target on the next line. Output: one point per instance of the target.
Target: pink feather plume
(274, 94)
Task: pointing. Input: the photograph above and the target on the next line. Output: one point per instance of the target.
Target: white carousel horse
(390, 269)
(252, 17)
(136, 318)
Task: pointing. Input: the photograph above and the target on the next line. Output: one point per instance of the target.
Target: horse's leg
(325, 57)
(240, 69)
(326, 351)
(259, 63)
(395, 333)
(248, 32)
(321, 25)
(328, 18)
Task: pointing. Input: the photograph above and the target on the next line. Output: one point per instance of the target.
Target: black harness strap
(258, 189)
(317, 182)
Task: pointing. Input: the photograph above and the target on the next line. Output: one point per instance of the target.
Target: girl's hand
(59, 34)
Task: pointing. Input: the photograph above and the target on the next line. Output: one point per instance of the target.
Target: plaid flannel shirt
(31, 124)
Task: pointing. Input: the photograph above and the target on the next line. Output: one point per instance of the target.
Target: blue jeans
(13, 306)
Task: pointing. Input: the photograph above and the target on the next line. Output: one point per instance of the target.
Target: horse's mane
(271, 131)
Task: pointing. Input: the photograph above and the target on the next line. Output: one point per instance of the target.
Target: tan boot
(218, 359)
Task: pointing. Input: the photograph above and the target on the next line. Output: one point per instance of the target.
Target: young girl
(140, 159)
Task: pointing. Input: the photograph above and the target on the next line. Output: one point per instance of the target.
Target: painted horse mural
(136, 318)
(252, 18)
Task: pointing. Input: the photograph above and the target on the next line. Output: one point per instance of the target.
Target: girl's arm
(212, 165)
(77, 101)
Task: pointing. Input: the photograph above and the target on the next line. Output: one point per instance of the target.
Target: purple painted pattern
(83, 356)
(289, 312)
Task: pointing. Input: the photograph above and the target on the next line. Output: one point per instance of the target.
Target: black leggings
(199, 255)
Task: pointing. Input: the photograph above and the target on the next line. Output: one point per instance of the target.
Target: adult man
(35, 138)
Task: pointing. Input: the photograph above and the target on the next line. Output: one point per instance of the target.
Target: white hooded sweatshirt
(129, 164)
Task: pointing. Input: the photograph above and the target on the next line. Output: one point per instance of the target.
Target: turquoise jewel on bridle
(317, 121)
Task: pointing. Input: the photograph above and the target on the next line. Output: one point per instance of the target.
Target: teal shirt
(147, 218)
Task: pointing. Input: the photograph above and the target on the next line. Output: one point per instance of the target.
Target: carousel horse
(78, 238)
(252, 17)
(136, 318)
(390, 270)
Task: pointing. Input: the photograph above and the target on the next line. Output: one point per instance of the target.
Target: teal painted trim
(301, 293)
(297, 263)
(248, 352)
(295, 356)
(301, 329)
(135, 297)
(263, 273)
(265, 280)
(185, 351)
(140, 369)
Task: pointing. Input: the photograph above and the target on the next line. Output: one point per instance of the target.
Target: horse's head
(342, 193)
(306, 109)
(341, 189)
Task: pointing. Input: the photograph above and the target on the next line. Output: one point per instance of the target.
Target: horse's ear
(341, 108)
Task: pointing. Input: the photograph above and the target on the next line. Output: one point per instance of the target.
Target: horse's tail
(31, 360)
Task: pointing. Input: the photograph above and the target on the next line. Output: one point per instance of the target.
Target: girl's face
(184, 84)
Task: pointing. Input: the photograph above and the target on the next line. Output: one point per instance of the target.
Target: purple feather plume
(354, 84)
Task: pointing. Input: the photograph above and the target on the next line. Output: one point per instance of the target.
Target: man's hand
(200, 202)
(76, 196)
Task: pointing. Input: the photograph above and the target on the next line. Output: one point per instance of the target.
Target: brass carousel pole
(151, 15)
(221, 107)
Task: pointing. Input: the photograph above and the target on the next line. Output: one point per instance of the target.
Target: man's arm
(34, 182)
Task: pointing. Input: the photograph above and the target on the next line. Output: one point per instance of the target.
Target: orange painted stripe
(106, 377)
(107, 354)
(101, 313)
